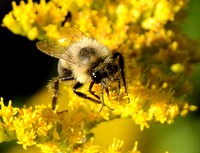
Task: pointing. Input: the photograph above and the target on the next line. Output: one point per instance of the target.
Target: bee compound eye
(96, 76)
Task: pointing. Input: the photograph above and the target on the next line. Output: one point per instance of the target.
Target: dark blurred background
(23, 69)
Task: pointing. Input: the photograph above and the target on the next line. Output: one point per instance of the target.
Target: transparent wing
(67, 36)
(51, 49)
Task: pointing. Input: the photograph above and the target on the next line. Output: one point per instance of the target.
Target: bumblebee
(83, 59)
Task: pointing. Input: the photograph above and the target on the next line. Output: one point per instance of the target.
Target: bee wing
(69, 35)
(58, 49)
(51, 49)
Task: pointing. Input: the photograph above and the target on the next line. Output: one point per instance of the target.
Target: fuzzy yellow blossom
(31, 19)
(53, 132)
(158, 61)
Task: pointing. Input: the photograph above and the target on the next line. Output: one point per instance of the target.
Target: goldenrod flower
(51, 131)
(158, 60)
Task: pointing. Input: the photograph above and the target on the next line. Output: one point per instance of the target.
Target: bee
(83, 59)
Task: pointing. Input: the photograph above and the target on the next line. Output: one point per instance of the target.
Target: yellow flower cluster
(33, 20)
(109, 21)
(158, 61)
(50, 131)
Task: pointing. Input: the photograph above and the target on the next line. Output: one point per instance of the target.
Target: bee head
(103, 71)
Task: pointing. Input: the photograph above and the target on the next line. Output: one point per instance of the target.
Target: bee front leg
(92, 92)
(121, 68)
(102, 100)
(119, 86)
(82, 95)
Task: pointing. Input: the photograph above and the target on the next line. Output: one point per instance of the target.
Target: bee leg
(92, 92)
(107, 91)
(119, 86)
(54, 86)
(82, 95)
(121, 66)
(66, 78)
(102, 101)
